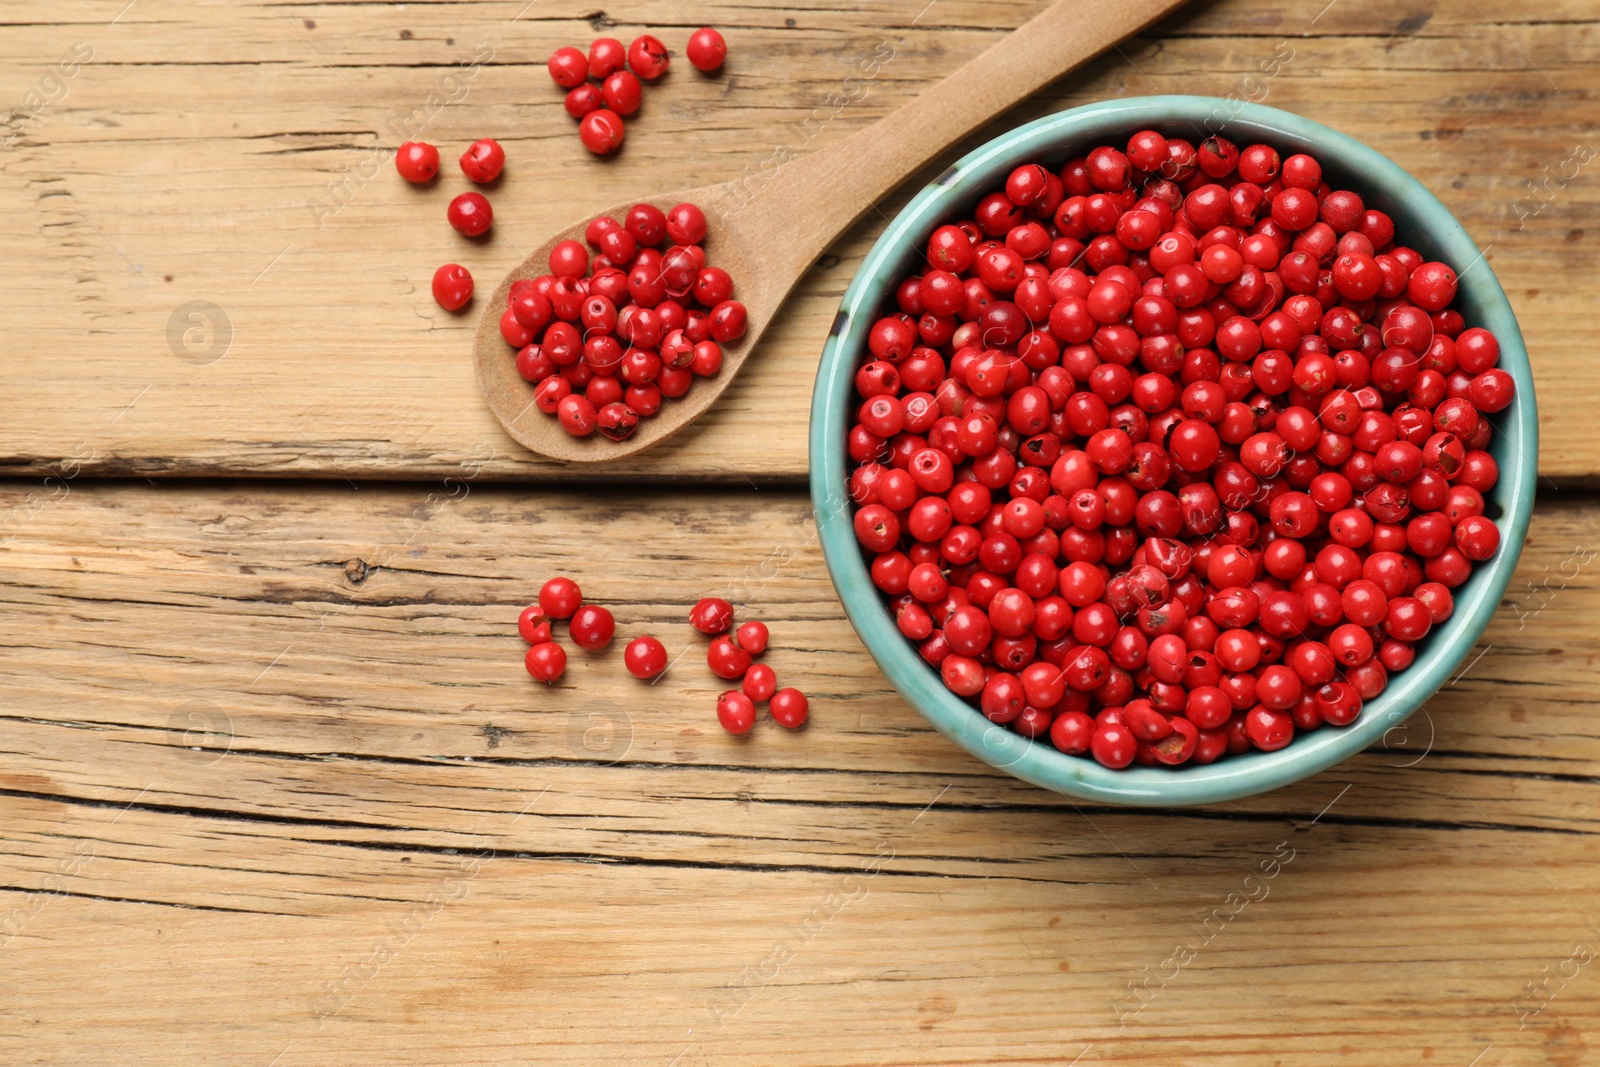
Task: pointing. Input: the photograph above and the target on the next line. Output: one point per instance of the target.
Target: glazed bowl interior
(1421, 221)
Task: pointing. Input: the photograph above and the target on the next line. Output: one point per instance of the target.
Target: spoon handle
(819, 195)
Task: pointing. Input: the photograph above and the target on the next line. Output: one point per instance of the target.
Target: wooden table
(275, 788)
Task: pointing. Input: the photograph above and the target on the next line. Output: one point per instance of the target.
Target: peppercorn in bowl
(1171, 450)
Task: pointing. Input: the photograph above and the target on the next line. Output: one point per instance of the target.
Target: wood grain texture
(235, 154)
(275, 784)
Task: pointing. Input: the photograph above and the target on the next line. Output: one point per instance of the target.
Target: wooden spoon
(768, 228)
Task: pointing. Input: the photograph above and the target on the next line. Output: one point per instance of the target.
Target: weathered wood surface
(275, 789)
(234, 154)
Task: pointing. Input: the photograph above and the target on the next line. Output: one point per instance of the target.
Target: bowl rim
(1382, 183)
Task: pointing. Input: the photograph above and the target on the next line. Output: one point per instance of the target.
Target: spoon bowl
(510, 396)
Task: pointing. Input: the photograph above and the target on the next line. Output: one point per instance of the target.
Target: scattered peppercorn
(417, 162)
(645, 657)
(470, 214)
(483, 160)
(452, 286)
(707, 50)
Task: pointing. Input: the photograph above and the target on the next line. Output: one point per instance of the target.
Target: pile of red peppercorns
(729, 656)
(591, 628)
(612, 344)
(619, 71)
(1173, 452)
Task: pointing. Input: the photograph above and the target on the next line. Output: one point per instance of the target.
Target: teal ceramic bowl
(1424, 223)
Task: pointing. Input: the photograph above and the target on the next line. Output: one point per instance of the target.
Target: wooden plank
(230, 155)
(276, 785)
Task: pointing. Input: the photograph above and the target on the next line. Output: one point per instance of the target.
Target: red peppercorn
(583, 99)
(452, 286)
(1071, 732)
(752, 637)
(736, 712)
(606, 55)
(546, 662)
(1477, 537)
(417, 162)
(560, 597)
(707, 50)
(1268, 729)
(470, 214)
(534, 625)
(712, 615)
(1258, 163)
(515, 334)
(1432, 286)
(647, 223)
(621, 92)
(1113, 746)
(1492, 391)
(592, 627)
(601, 131)
(552, 389)
(568, 67)
(615, 420)
(483, 160)
(726, 659)
(760, 682)
(578, 415)
(707, 359)
(645, 657)
(789, 708)
(686, 224)
(648, 57)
